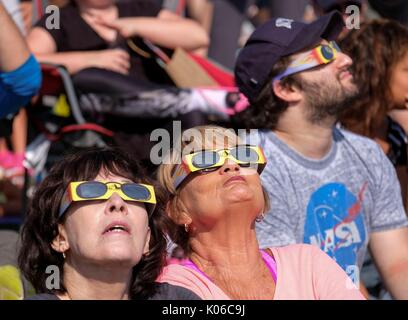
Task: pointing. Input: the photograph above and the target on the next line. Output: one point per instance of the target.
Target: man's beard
(327, 100)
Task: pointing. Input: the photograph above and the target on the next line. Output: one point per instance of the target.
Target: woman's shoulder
(298, 251)
(306, 261)
(167, 291)
(178, 273)
(296, 247)
(64, 12)
(307, 272)
(183, 276)
(57, 20)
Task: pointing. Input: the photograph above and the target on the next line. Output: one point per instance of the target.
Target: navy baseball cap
(328, 5)
(277, 38)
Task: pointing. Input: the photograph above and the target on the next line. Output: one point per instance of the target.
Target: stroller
(68, 115)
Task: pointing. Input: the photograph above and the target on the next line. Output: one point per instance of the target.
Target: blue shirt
(18, 86)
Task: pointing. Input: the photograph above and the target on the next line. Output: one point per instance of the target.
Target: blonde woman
(216, 197)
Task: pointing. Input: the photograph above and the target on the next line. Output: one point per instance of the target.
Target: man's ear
(60, 242)
(288, 93)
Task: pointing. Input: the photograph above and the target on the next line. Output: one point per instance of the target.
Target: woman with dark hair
(379, 50)
(95, 219)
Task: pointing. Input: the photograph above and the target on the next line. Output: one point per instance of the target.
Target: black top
(398, 140)
(165, 292)
(75, 34)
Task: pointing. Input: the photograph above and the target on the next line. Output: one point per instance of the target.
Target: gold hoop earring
(186, 227)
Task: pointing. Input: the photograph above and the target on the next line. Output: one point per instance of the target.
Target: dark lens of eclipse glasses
(92, 189)
(205, 159)
(327, 52)
(136, 191)
(244, 154)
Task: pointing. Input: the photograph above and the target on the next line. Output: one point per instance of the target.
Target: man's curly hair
(265, 110)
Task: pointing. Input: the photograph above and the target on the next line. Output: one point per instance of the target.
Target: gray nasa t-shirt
(333, 203)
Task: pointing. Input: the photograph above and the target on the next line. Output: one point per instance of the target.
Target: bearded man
(327, 186)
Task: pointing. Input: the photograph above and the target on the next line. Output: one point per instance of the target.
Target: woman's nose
(116, 203)
(229, 166)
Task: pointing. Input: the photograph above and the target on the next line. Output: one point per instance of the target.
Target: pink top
(304, 272)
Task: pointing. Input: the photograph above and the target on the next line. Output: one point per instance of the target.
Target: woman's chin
(239, 191)
(243, 190)
(243, 198)
(124, 256)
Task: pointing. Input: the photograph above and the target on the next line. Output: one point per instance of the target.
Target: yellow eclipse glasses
(210, 160)
(322, 54)
(97, 190)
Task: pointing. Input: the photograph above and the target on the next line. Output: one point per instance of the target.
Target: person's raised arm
(167, 30)
(44, 47)
(202, 12)
(20, 74)
(13, 49)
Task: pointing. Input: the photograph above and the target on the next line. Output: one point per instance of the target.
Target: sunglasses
(322, 54)
(96, 190)
(211, 160)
